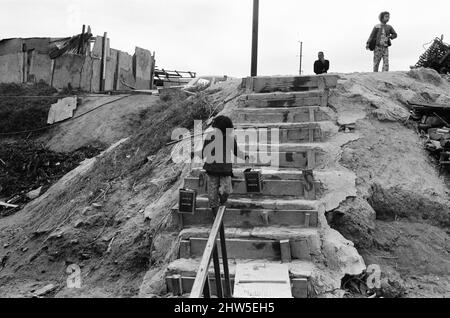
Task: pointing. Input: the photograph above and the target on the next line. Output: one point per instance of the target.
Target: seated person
(321, 66)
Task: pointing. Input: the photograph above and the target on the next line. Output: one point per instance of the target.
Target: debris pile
(437, 57)
(166, 78)
(76, 44)
(358, 287)
(27, 170)
(434, 125)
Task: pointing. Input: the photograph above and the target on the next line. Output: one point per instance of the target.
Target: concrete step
(282, 115)
(242, 218)
(282, 156)
(271, 243)
(283, 147)
(180, 275)
(302, 158)
(189, 266)
(307, 132)
(287, 132)
(262, 281)
(268, 173)
(282, 100)
(268, 84)
(297, 188)
(258, 202)
(292, 155)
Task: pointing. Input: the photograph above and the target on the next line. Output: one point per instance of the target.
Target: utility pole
(254, 69)
(301, 57)
(103, 65)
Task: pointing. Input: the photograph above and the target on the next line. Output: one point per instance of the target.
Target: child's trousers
(381, 52)
(219, 189)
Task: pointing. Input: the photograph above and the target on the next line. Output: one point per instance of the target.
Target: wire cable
(61, 122)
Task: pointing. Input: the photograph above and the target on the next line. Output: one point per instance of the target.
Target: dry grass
(113, 241)
(19, 113)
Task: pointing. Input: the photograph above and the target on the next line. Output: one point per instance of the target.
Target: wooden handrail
(201, 284)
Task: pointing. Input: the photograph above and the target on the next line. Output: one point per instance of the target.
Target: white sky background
(213, 37)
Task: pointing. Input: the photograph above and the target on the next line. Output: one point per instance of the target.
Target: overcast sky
(213, 37)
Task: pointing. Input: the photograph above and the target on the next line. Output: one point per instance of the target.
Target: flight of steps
(280, 225)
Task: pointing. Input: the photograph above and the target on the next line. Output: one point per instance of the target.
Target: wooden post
(265, 217)
(312, 114)
(80, 43)
(311, 131)
(152, 72)
(185, 249)
(117, 73)
(324, 98)
(52, 71)
(321, 83)
(254, 69)
(311, 158)
(201, 283)
(301, 58)
(285, 247)
(309, 187)
(24, 63)
(307, 220)
(219, 290)
(177, 285)
(226, 270)
(180, 221)
(103, 67)
(206, 289)
(248, 84)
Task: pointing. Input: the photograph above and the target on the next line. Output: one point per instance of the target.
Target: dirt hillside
(111, 216)
(103, 125)
(400, 218)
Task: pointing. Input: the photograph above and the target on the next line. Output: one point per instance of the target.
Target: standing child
(380, 41)
(219, 162)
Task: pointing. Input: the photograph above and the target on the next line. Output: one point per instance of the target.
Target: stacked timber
(433, 124)
(437, 57)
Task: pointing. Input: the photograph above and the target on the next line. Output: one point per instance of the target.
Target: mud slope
(108, 119)
(110, 216)
(401, 215)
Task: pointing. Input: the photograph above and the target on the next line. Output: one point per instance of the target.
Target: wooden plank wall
(78, 71)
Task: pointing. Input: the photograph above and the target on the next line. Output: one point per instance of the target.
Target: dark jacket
(225, 167)
(375, 36)
(321, 68)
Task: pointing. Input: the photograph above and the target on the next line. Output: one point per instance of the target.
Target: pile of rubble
(28, 170)
(434, 125)
(437, 57)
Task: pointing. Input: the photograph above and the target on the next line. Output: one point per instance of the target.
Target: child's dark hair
(222, 123)
(382, 14)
